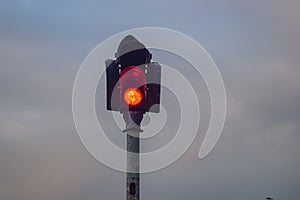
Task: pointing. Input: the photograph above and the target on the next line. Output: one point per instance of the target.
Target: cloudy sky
(256, 45)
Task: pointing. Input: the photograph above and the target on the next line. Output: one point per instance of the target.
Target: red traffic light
(123, 73)
(133, 96)
(133, 86)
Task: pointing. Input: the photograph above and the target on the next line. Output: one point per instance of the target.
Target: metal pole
(133, 162)
(133, 120)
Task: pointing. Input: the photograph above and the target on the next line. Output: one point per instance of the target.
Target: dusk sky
(256, 46)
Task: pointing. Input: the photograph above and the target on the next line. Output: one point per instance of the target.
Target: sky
(255, 44)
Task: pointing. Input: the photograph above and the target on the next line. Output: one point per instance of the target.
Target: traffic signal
(133, 89)
(132, 80)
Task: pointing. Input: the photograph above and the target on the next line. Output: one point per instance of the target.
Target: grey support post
(133, 120)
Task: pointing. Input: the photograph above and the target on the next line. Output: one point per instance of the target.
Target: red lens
(133, 96)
